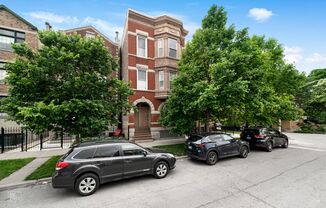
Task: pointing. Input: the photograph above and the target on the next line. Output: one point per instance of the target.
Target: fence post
(22, 139)
(41, 141)
(2, 138)
(128, 133)
(26, 140)
(61, 135)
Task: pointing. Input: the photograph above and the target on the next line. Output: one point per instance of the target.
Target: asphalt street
(293, 177)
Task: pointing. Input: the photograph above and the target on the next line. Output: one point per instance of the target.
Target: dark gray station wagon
(88, 165)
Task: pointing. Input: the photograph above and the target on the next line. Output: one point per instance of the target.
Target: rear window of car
(252, 131)
(107, 151)
(85, 154)
(194, 138)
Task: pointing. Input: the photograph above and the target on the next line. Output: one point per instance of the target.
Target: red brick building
(150, 50)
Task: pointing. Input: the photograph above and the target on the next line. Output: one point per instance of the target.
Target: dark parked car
(266, 138)
(88, 165)
(211, 147)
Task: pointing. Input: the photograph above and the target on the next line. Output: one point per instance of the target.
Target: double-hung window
(8, 37)
(172, 77)
(141, 79)
(141, 46)
(3, 72)
(172, 48)
(160, 47)
(161, 79)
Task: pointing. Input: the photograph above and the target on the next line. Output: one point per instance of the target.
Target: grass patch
(45, 170)
(176, 149)
(8, 167)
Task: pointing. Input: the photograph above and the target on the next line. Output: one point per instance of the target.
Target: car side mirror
(144, 153)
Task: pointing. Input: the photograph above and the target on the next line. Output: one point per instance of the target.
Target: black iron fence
(20, 139)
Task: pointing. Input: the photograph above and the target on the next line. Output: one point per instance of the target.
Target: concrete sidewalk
(17, 179)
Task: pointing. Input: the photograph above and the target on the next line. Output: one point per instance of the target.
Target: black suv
(211, 147)
(264, 137)
(88, 165)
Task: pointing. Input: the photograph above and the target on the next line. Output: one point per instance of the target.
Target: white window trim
(146, 85)
(176, 47)
(146, 37)
(170, 78)
(158, 49)
(159, 81)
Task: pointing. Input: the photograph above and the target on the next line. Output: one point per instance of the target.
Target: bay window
(161, 79)
(160, 47)
(172, 77)
(172, 48)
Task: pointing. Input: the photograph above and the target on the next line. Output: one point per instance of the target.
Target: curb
(25, 184)
(181, 157)
(44, 181)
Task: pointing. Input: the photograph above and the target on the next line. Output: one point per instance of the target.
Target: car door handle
(128, 161)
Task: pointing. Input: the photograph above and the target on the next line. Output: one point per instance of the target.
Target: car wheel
(269, 147)
(161, 169)
(286, 144)
(244, 152)
(211, 158)
(87, 184)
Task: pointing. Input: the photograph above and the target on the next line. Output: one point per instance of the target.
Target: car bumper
(62, 181)
(196, 156)
(261, 143)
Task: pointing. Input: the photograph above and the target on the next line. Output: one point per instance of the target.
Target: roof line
(17, 16)
(90, 26)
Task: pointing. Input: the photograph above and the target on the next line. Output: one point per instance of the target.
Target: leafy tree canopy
(312, 96)
(67, 84)
(226, 75)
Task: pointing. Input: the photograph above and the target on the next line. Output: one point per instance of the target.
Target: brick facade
(11, 21)
(154, 96)
(90, 30)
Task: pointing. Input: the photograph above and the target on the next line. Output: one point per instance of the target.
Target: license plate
(190, 147)
(248, 137)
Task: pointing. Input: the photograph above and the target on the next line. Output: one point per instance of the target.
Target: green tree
(226, 75)
(65, 85)
(313, 96)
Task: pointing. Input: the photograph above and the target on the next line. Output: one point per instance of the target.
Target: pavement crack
(283, 172)
(259, 199)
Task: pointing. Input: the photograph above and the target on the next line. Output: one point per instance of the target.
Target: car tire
(244, 152)
(212, 158)
(161, 170)
(286, 144)
(269, 146)
(87, 184)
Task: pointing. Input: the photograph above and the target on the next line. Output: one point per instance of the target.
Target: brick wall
(11, 22)
(113, 48)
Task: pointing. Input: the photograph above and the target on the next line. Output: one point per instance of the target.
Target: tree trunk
(207, 121)
(78, 139)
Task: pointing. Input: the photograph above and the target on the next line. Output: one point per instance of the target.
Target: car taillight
(201, 146)
(61, 165)
(260, 136)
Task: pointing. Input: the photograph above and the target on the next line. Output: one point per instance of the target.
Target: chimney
(117, 37)
(48, 26)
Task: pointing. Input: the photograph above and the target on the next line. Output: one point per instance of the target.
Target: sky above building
(297, 24)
